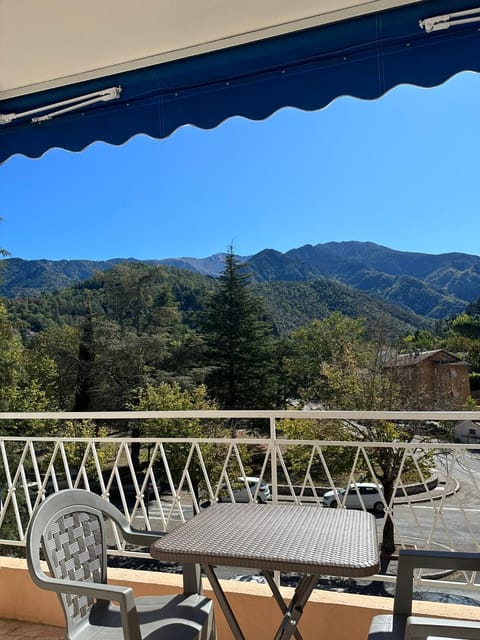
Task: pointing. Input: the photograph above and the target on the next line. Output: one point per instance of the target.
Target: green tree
(59, 344)
(126, 333)
(185, 463)
(320, 352)
(25, 385)
(377, 387)
(467, 326)
(301, 457)
(138, 297)
(420, 340)
(140, 339)
(240, 345)
(21, 385)
(464, 337)
(345, 371)
(80, 453)
(84, 400)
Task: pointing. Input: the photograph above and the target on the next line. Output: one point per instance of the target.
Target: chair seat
(387, 627)
(396, 627)
(183, 617)
(419, 628)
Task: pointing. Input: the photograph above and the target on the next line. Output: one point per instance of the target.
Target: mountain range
(430, 286)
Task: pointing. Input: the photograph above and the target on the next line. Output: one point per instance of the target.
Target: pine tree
(240, 343)
(86, 362)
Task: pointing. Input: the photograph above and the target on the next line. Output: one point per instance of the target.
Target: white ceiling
(49, 43)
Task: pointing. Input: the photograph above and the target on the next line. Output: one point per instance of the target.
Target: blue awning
(362, 57)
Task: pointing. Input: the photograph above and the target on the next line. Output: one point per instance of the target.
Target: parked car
(357, 496)
(259, 490)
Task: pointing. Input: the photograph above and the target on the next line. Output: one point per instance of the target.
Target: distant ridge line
(434, 286)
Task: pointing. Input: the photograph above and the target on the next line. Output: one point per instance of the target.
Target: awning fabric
(362, 57)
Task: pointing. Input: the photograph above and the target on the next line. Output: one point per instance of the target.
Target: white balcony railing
(160, 482)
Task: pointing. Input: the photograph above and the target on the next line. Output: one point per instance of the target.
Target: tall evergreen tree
(86, 360)
(240, 343)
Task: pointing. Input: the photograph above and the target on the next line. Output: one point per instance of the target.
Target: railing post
(273, 448)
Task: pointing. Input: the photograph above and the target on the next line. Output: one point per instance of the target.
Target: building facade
(439, 378)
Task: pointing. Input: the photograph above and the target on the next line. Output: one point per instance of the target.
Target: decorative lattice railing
(160, 482)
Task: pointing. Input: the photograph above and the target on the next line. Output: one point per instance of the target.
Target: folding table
(310, 540)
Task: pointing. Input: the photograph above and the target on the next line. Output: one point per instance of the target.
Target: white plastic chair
(69, 526)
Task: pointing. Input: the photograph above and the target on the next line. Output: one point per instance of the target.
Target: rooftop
(439, 356)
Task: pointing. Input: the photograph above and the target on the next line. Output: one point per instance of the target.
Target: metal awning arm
(448, 20)
(69, 105)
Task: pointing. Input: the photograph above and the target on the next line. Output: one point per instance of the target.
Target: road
(451, 521)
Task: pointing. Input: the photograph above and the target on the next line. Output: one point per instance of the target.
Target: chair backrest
(69, 527)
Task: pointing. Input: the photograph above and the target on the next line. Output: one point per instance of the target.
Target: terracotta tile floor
(12, 630)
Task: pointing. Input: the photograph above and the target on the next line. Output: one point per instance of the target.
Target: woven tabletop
(283, 537)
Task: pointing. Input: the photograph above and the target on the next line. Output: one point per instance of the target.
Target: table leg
(223, 602)
(278, 597)
(295, 609)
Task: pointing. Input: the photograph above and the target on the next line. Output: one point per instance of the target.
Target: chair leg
(192, 579)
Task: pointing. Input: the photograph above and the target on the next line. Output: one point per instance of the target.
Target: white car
(360, 495)
(259, 490)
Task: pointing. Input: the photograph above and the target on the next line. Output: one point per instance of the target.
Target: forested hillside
(294, 304)
(288, 304)
(149, 336)
(433, 286)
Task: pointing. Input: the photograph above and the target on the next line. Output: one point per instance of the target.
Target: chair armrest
(192, 582)
(139, 537)
(418, 628)
(409, 560)
(122, 595)
(429, 559)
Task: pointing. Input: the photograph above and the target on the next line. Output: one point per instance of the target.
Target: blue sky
(401, 171)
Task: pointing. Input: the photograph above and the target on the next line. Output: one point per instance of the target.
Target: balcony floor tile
(15, 630)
